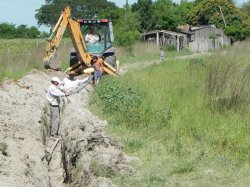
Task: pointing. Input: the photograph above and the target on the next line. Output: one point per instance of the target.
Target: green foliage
(196, 139)
(118, 98)
(208, 12)
(49, 13)
(10, 31)
(126, 102)
(228, 85)
(165, 17)
(126, 31)
(20, 56)
(170, 48)
(145, 12)
(113, 14)
(212, 36)
(7, 30)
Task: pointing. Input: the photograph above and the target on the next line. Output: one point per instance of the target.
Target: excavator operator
(91, 37)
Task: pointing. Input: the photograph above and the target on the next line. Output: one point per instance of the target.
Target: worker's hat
(56, 79)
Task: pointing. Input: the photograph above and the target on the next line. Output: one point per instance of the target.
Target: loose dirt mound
(84, 155)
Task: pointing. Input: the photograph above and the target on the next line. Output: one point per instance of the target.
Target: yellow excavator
(83, 51)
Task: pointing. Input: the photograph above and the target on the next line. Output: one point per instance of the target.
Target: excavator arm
(51, 60)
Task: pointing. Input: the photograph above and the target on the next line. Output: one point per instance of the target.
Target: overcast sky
(23, 11)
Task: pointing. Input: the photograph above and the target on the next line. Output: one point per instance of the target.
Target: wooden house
(164, 37)
(205, 38)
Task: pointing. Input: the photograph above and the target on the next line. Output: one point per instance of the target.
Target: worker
(70, 83)
(97, 63)
(161, 55)
(53, 96)
(91, 36)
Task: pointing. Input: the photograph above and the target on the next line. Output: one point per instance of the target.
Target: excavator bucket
(52, 62)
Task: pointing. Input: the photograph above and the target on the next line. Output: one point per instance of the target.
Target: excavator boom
(84, 57)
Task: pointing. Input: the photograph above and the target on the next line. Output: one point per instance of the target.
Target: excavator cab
(90, 37)
(99, 40)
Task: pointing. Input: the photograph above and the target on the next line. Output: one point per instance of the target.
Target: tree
(246, 8)
(7, 30)
(182, 10)
(126, 30)
(208, 12)
(164, 15)
(49, 13)
(145, 12)
(112, 14)
(33, 32)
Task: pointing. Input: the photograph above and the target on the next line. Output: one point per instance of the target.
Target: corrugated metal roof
(164, 31)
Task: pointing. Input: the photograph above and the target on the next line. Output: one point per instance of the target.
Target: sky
(23, 11)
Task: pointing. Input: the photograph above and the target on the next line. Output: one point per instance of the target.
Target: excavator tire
(111, 60)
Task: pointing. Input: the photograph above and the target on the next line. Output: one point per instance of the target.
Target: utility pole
(222, 16)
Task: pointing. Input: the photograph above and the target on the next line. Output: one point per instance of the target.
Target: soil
(83, 154)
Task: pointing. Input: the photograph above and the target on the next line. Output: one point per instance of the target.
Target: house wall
(202, 42)
(167, 39)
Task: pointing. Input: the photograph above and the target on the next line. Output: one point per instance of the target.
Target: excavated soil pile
(84, 154)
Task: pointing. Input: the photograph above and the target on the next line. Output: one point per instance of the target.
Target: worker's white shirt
(53, 95)
(91, 38)
(68, 84)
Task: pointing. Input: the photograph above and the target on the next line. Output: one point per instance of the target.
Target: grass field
(186, 120)
(19, 56)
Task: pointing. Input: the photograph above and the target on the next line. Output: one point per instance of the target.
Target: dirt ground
(84, 154)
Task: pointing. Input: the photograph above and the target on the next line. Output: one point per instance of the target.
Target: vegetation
(236, 22)
(127, 34)
(146, 15)
(48, 14)
(10, 31)
(19, 56)
(186, 120)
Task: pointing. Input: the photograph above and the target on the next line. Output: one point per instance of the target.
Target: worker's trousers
(54, 119)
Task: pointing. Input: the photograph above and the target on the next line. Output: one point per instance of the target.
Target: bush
(125, 101)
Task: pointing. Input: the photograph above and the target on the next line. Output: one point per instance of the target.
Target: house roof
(193, 28)
(163, 31)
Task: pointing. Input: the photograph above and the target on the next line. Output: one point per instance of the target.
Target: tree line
(10, 31)
(144, 15)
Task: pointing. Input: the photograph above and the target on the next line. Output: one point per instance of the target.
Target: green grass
(19, 56)
(145, 52)
(163, 115)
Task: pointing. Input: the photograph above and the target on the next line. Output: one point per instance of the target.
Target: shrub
(125, 101)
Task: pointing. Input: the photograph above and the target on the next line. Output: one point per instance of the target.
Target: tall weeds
(173, 131)
(19, 56)
(228, 80)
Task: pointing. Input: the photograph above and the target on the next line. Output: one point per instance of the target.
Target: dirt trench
(84, 154)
